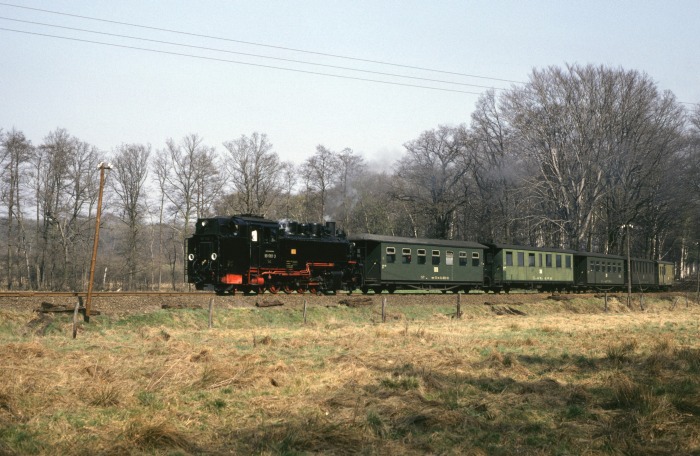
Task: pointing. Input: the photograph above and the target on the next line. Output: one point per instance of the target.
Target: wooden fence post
(304, 311)
(211, 312)
(606, 301)
(384, 310)
(459, 305)
(75, 317)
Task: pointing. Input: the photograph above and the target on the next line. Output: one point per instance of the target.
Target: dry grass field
(552, 378)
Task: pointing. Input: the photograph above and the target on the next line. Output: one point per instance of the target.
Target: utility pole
(88, 301)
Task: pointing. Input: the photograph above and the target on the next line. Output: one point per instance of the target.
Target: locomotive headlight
(213, 257)
(190, 257)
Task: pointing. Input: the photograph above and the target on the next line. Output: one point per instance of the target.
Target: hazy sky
(109, 95)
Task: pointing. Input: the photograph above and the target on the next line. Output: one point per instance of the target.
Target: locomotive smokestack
(330, 228)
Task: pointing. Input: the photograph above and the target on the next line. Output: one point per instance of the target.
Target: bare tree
(496, 173)
(161, 170)
(255, 172)
(66, 191)
(188, 175)
(288, 181)
(130, 169)
(645, 136)
(591, 134)
(15, 151)
(318, 173)
(375, 211)
(430, 178)
(351, 167)
(686, 195)
(191, 178)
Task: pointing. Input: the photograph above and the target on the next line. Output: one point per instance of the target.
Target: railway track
(99, 294)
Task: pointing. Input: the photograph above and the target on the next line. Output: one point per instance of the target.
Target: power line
(357, 59)
(248, 54)
(180, 54)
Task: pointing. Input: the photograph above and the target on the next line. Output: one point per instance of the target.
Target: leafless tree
(188, 175)
(191, 178)
(288, 181)
(496, 173)
(318, 173)
(66, 183)
(351, 167)
(15, 151)
(375, 211)
(130, 169)
(686, 195)
(430, 178)
(255, 173)
(595, 136)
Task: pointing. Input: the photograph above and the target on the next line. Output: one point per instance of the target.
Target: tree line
(565, 160)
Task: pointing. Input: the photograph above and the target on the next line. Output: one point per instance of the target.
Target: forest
(579, 157)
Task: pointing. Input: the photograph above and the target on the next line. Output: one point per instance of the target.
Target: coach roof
(419, 241)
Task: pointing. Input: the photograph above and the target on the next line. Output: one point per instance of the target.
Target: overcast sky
(108, 95)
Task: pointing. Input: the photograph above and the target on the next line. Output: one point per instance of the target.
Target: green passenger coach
(599, 271)
(512, 266)
(391, 263)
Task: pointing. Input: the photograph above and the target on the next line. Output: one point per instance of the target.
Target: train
(247, 253)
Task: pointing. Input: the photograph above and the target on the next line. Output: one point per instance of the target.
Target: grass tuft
(620, 352)
(154, 436)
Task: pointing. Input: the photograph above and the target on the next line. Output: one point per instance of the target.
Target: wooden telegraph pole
(88, 301)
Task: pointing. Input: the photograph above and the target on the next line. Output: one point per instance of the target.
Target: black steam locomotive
(247, 253)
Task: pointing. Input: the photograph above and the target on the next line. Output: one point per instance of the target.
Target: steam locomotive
(248, 253)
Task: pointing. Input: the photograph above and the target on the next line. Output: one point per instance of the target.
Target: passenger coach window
(405, 256)
(568, 262)
(531, 260)
(436, 257)
(462, 258)
(559, 261)
(475, 259)
(521, 258)
(548, 259)
(421, 256)
(449, 258)
(390, 255)
(509, 258)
